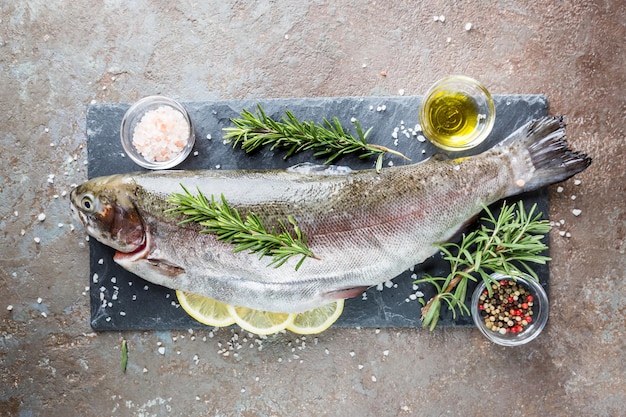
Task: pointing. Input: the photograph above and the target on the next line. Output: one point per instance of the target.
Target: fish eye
(87, 202)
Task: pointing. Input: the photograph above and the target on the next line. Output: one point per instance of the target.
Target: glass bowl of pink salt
(157, 133)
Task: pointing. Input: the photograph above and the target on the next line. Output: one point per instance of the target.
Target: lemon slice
(316, 320)
(260, 322)
(206, 310)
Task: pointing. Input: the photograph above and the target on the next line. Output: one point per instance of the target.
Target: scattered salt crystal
(436, 18)
(287, 36)
(562, 233)
(46, 130)
(385, 353)
(208, 136)
(122, 313)
(10, 307)
(145, 370)
(442, 18)
(448, 39)
(16, 213)
(100, 261)
(353, 119)
(559, 189)
(352, 353)
(195, 153)
(373, 378)
(413, 297)
(326, 351)
(577, 182)
(41, 217)
(388, 284)
(60, 225)
(161, 350)
(39, 300)
(576, 212)
(568, 234)
(394, 134)
(573, 197)
(390, 163)
(468, 26)
(401, 91)
(360, 367)
(44, 314)
(37, 240)
(421, 138)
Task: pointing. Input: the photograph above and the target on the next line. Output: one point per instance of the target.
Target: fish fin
(439, 157)
(553, 161)
(166, 268)
(345, 293)
(315, 169)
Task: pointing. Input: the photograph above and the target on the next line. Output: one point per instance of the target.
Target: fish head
(105, 207)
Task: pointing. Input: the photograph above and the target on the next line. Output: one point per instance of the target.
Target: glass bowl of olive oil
(457, 113)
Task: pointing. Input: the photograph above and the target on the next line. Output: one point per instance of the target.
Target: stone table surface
(58, 58)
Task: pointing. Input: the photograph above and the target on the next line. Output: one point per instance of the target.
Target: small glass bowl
(457, 113)
(531, 331)
(134, 116)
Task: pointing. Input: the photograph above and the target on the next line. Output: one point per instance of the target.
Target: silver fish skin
(365, 227)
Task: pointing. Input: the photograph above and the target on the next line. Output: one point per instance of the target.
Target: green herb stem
(508, 246)
(327, 140)
(247, 234)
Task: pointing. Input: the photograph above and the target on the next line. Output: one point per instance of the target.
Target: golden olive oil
(453, 117)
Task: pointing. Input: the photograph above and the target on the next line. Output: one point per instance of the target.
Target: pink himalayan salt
(161, 134)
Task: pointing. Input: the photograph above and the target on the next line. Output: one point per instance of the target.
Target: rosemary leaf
(246, 234)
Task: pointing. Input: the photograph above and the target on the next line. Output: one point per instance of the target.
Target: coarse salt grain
(161, 134)
(576, 212)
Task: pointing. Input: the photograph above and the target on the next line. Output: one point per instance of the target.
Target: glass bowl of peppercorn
(512, 311)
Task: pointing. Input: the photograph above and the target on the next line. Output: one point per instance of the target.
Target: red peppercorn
(528, 319)
(510, 299)
(530, 298)
(525, 306)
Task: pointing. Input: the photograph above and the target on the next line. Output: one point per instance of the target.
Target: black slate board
(123, 301)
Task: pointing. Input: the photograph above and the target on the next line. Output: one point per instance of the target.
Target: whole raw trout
(365, 227)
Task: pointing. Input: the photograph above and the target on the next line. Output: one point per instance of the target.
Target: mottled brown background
(57, 57)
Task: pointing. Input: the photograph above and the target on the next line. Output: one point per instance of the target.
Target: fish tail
(543, 141)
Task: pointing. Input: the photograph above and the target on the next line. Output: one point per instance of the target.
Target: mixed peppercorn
(509, 308)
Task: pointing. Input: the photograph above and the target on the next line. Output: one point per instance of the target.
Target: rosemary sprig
(246, 234)
(124, 355)
(509, 245)
(328, 140)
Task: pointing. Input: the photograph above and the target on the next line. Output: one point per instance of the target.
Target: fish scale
(366, 227)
